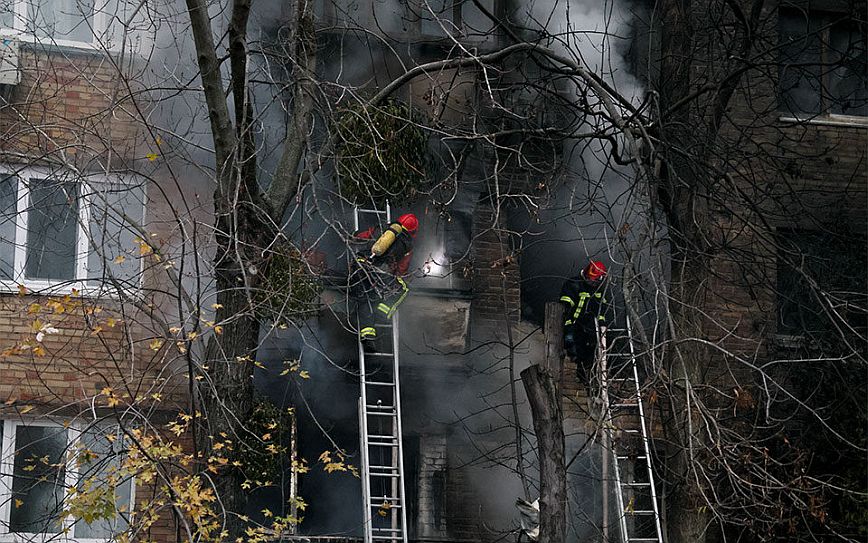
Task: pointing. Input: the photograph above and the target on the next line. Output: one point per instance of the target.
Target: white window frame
(99, 24)
(7, 463)
(85, 200)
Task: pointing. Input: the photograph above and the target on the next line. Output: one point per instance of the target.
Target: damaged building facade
(511, 217)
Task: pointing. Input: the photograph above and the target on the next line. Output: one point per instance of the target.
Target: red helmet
(409, 222)
(596, 270)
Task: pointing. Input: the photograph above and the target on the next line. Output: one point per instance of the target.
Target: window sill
(788, 341)
(66, 47)
(49, 288)
(827, 120)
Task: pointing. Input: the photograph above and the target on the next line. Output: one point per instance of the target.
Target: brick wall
(496, 293)
(431, 500)
(71, 106)
(784, 174)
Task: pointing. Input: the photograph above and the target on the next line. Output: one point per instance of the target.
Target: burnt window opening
(438, 491)
(822, 63)
(411, 483)
(642, 51)
(821, 288)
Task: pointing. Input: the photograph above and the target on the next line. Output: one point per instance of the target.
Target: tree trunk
(543, 393)
(690, 514)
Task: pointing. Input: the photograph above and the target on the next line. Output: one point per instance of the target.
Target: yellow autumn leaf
(144, 247)
(111, 322)
(112, 401)
(158, 140)
(18, 503)
(304, 374)
(22, 290)
(218, 329)
(26, 409)
(151, 156)
(120, 259)
(155, 344)
(216, 306)
(39, 350)
(34, 308)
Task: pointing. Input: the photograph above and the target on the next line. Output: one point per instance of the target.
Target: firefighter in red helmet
(585, 308)
(393, 248)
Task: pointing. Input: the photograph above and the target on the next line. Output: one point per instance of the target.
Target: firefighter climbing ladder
(385, 515)
(635, 490)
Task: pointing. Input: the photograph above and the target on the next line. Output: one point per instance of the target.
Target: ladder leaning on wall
(627, 432)
(385, 514)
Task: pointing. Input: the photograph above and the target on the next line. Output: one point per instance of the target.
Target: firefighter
(392, 248)
(584, 312)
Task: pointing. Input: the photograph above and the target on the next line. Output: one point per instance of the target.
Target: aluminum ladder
(382, 452)
(635, 489)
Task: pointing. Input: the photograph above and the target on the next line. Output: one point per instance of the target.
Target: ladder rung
(379, 407)
(381, 436)
(384, 468)
(391, 500)
(625, 405)
(382, 505)
(390, 475)
(382, 444)
(386, 537)
(379, 384)
(387, 530)
(628, 457)
(640, 512)
(379, 354)
(635, 484)
(640, 539)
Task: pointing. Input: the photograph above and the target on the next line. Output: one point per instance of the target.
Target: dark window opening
(823, 63)
(821, 285)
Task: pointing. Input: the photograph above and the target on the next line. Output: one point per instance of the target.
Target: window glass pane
(7, 13)
(8, 210)
(100, 455)
(799, 72)
(61, 19)
(848, 80)
(38, 479)
(52, 225)
(114, 255)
